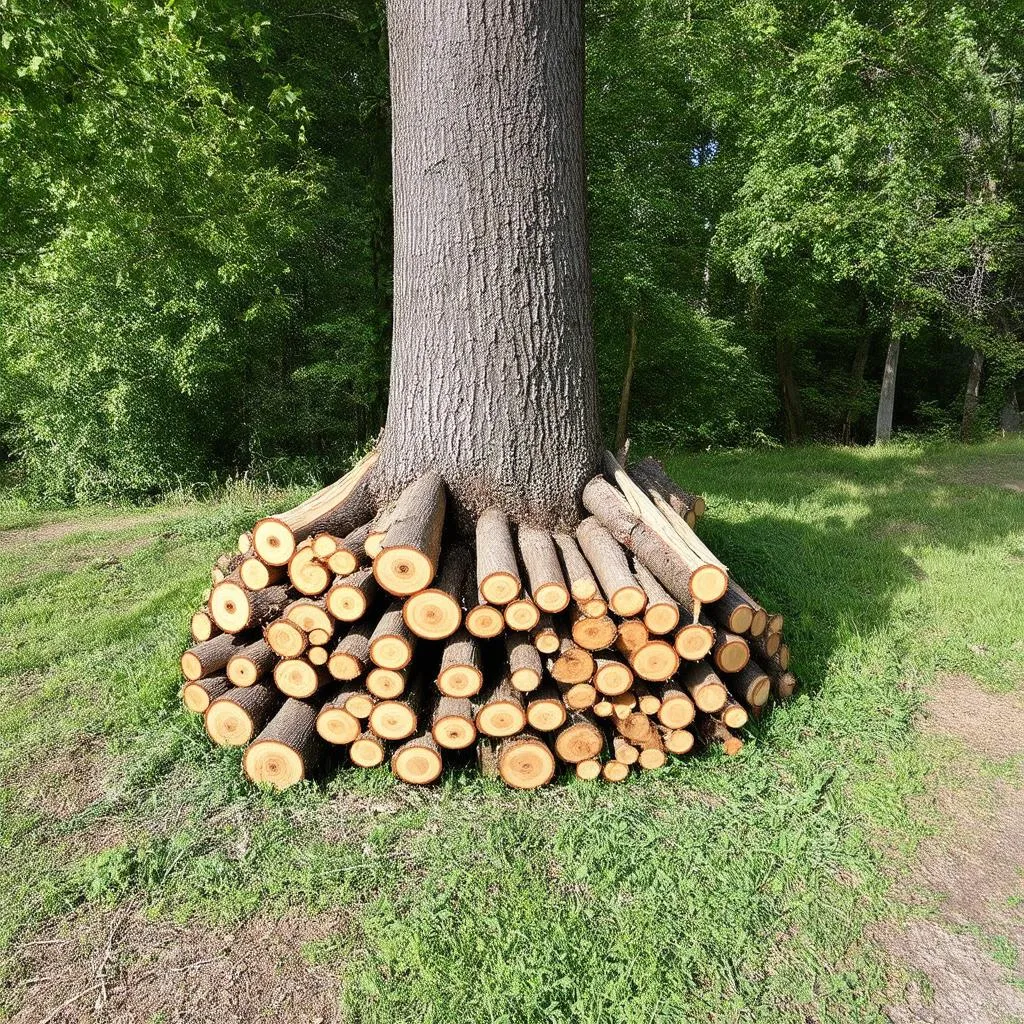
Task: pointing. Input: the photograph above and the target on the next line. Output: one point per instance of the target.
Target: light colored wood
(662, 614)
(624, 751)
(198, 694)
(255, 574)
(545, 636)
(525, 761)
(588, 770)
(730, 653)
(392, 642)
(287, 750)
(418, 761)
(678, 741)
(545, 710)
(436, 612)
(603, 553)
(592, 633)
(677, 710)
(501, 711)
(654, 661)
(572, 664)
(521, 615)
(386, 683)
(578, 696)
(459, 674)
(235, 609)
(366, 751)
(308, 575)
(296, 677)
(247, 666)
(614, 771)
(702, 683)
(336, 724)
(408, 560)
(582, 583)
(497, 570)
(235, 717)
(612, 677)
(351, 654)
(310, 615)
(695, 641)
(579, 740)
(544, 577)
(452, 724)
(733, 715)
(525, 668)
(286, 639)
(350, 597)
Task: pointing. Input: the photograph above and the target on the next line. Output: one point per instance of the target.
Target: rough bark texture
(493, 379)
(971, 398)
(887, 396)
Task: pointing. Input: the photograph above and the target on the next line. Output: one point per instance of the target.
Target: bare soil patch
(65, 780)
(1003, 470)
(116, 966)
(991, 724)
(48, 532)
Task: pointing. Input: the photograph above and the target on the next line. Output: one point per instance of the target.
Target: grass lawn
(144, 880)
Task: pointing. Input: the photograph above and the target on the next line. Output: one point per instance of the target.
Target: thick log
(418, 761)
(677, 741)
(297, 678)
(350, 552)
(285, 638)
(351, 654)
(308, 575)
(625, 596)
(651, 475)
(452, 723)
(386, 683)
(545, 710)
(662, 614)
(202, 626)
(572, 664)
(751, 685)
(704, 686)
(288, 750)
(525, 761)
(436, 612)
(730, 653)
(521, 615)
(525, 668)
(255, 574)
(392, 642)
(592, 633)
(580, 577)
(635, 726)
(647, 701)
(501, 711)
(251, 663)
(350, 596)
(235, 717)
(211, 656)
(235, 609)
(408, 559)
(334, 722)
(544, 578)
(677, 710)
(612, 677)
(578, 696)
(338, 508)
(695, 640)
(460, 674)
(367, 750)
(312, 617)
(579, 739)
(398, 719)
(497, 571)
(197, 694)
(545, 636)
(654, 661)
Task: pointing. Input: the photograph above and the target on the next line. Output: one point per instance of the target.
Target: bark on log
(580, 577)
(677, 710)
(285, 638)
(350, 552)
(377, 532)
(650, 473)
(661, 615)
(436, 612)
(525, 668)
(525, 761)
(481, 619)
(711, 733)
(460, 674)
(545, 635)
(751, 685)
(418, 761)
(544, 577)
(624, 751)
(497, 571)
(211, 656)
(197, 694)
(652, 751)
(592, 634)
(704, 686)
(730, 653)
(625, 595)
(235, 609)
(307, 574)
(255, 574)
(234, 718)
(335, 723)
(392, 642)
(452, 723)
(647, 700)
(521, 615)
(545, 710)
(501, 711)
(733, 612)
(732, 714)
(351, 654)
(572, 664)
(634, 726)
(367, 750)
(612, 677)
(251, 663)
(579, 739)
(288, 750)
(297, 678)
(311, 617)
(408, 559)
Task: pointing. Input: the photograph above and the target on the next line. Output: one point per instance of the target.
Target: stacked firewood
(382, 635)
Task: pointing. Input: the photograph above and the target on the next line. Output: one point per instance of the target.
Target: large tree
(493, 379)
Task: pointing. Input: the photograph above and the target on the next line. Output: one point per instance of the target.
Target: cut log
(235, 609)
(734, 611)
(397, 719)
(782, 656)
(452, 724)
(335, 723)
(592, 633)
(311, 617)
(580, 577)
(297, 678)
(647, 701)
(288, 750)
(481, 619)
(244, 545)
(572, 664)
(614, 771)
(497, 570)
(544, 578)
(338, 508)
(578, 696)
(579, 739)
(350, 552)
(324, 545)
(366, 751)
(501, 711)
(767, 645)
(677, 710)
(460, 674)
(677, 741)
(714, 733)
(654, 661)
(634, 726)
(625, 596)
(624, 704)
(784, 683)
(624, 751)
(545, 636)
(695, 640)
(751, 685)
(525, 761)
(418, 761)
(392, 642)
(730, 653)
(662, 614)
(351, 654)
(588, 770)
(775, 622)
(202, 626)
(197, 694)
(436, 612)
(651, 475)
(211, 656)
(308, 575)
(652, 750)
(408, 559)
(525, 669)
(255, 574)
(704, 686)
(733, 715)
(235, 717)
(386, 683)
(612, 677)
(350, 596)
(521, 615)
(487, 757)
(359, 703)
(632, 636)
(285, 638)
(251, 663)
(545, 710)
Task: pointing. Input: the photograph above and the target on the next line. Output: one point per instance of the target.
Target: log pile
(343, 633)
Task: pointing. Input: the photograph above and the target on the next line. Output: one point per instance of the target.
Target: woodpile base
(340, 633)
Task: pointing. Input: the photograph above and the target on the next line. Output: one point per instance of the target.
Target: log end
(274, 763)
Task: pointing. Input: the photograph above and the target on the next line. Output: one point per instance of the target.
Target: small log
(545, 710)
(784, 683)
(711, 733)
(338, 508)
(588, 770)
(603, 707)
(677, 741)
(677, 710)
(335, 723)
(625, 596)
(525, 761)
(297, 678)
(733, 612)
(251, 663)
(211, 656)
(578, 696)
(418, 761)
(324, 545)
(235, 717)
(662, 614)
(751, 685)
(398, 719)
(376, 533)
(647, 701)
(695, 640)
(592, 633)
(235, 609)
(732, 714)
(582, 583)
(624, 751)
(487, 757)
(285, 638)
(501, 711)
(730, 653)
(651, 475)
(654, 661)
(525, 669)
(544, 578)
(288, 750)
(579, 739)
(312, 617)
(452, 723)
(366, 751)
(351, 654)
(350, 596)
(782, 656)
(634, 726)
(308, 575)
(244, 543)
(497, 570)
(545, 636)
(612, 677)
(614, 771)
(255, 574)
(624, 704)
(386, 683)
(436, 612)
(408, 559)
(392, 642)
(705, 688)
(767, 645)
(197, 694)
(572, 664)
(521, 615)
(350, 552)
(482, 620)
(652, 750)
(775, 622)
(202, 626)
(632, 636)
(460, 674)
(359, 703)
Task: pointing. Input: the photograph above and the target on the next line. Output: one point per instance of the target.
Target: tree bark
(887, 397)
(1009, 417)
(493, 380)
(860, 362)
(795, 427)
(622, 423)
(972, 395)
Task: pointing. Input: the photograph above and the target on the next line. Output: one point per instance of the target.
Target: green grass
(714, 889)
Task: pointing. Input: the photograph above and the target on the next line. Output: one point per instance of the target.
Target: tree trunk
(493, 378)
(1009, 417)
(860, 362)
(790, 393)
(622, 424)
(971, 398)
(887, 397)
